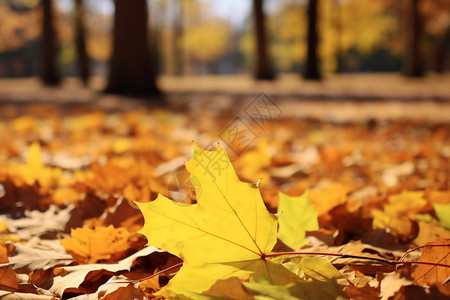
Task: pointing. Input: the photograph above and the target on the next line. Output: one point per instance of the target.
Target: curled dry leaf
(72, 277)
(34, 259)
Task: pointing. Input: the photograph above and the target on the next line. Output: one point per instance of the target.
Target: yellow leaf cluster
(399, 211)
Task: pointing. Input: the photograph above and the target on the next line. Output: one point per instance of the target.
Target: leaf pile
(73, 185)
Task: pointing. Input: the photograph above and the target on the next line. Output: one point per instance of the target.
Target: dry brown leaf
(362, 293)
(127, 292)
(430, 232)
(72, 277)
(436, 252)
(8, 280)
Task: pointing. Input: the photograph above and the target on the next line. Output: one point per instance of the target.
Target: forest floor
(373, 152)
(339, 98)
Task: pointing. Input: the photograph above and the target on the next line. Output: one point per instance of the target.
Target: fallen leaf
(229, 223)
(296, 216)
(104, 244)
(230, 288)
(254, 164)
(118, 288)
(434, 252)
(8, 280)
(74, 276)
(429, 232)
(414, 292)
(443, 214)
(309, 267)
(36, 223)
(33, 259)
(35, 171)
(397, 215)
(311, 290)
(17, 295)
(362, 293)
(390, 175)
(325, 199)
(391, 283)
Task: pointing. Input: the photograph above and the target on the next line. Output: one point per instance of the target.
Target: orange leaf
(324, 200)
(106, 244)
(439, 253)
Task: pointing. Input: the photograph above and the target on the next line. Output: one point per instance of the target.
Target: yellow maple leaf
(35, 171)
(226, 233)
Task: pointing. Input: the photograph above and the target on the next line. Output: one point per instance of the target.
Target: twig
(385, 261)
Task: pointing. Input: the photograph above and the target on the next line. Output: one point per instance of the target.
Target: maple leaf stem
(386, 261)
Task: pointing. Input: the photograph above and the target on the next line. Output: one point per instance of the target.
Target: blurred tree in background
(131, 69)
(312, 58)
(80, 42)
(200, 37)
(263, 65)
(19, 27)
(49, 69)
(436, 16)
(413, 58)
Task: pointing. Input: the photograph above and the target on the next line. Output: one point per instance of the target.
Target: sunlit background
(217, 37)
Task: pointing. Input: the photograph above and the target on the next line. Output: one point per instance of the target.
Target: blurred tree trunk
(413, 60)
(131, 68)
(312, 59)
(440, 52)
(263, 67)
(80, 42)
(49, 71)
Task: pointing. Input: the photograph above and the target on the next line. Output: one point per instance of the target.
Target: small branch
(420, 247)
(385, 261)
(157, 273)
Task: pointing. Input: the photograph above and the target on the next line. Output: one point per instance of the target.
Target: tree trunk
(439, 53)
(80, 42)
(312, 59)
(49, 71)
(131, 68)
(263, 68)
(413, 60)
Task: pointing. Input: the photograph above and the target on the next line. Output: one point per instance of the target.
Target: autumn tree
(263, 67)
(49, 70)
(311, 70)
(131, 68)
(413, 59)
(80, 42)
(436, 15)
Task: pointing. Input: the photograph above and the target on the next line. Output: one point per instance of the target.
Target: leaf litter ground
(69, 226)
